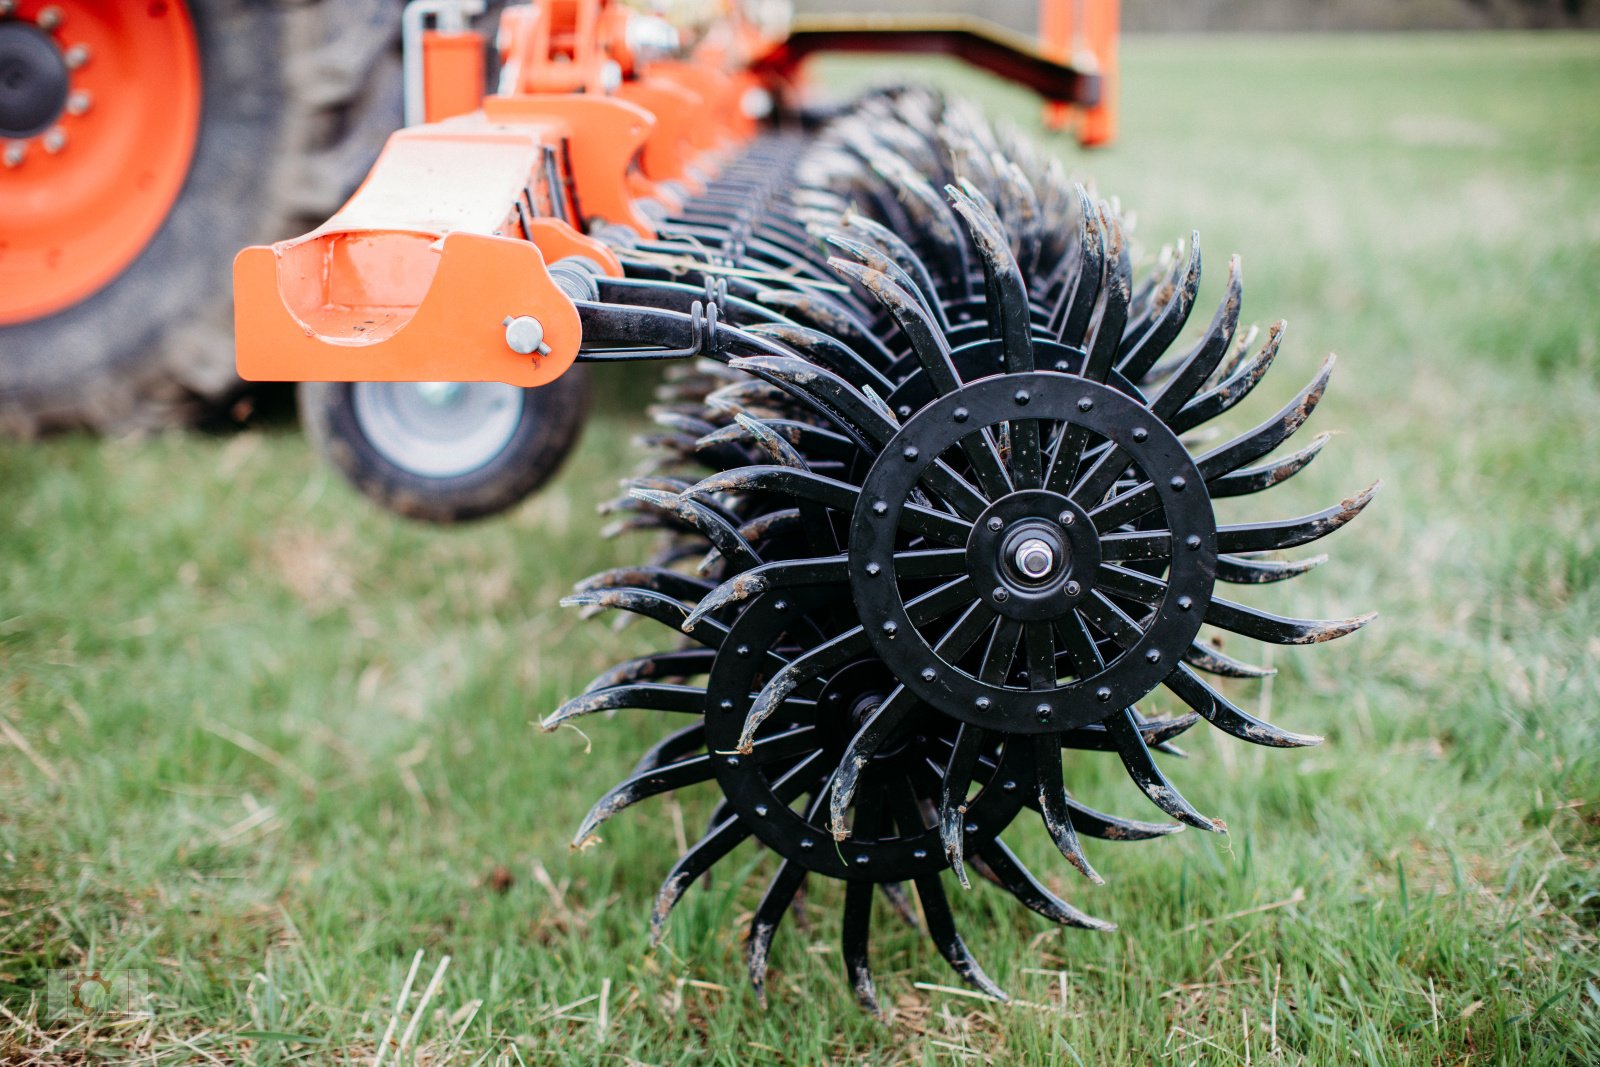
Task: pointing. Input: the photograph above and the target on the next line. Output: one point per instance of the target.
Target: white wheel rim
(437, 429)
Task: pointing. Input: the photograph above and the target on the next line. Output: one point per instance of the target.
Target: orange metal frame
(1084, 33)
(452, 233)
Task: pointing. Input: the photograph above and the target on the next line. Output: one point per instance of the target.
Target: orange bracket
(414, 278)
(603, 135)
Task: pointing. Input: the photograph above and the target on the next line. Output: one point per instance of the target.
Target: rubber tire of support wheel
(550, 422)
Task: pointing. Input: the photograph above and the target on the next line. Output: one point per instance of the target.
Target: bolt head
(15, 153)
(1073, 588)
(1035, 558)
(995, 523)
(1067, 518)
(525, 335)
(54, 140)
(1000, 594)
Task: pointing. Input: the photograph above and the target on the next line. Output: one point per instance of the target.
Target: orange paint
(452, 72)
(72, 220)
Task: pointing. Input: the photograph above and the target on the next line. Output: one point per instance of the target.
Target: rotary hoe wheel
(933, 513)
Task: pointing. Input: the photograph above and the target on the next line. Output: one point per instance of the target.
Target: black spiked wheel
(952, 525)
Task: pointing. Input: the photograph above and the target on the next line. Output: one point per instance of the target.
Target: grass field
(260, 743)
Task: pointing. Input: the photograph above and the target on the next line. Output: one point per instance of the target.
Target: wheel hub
(99, 122)
(34, 80)
(1037, 561)
(1035, 558)
(757, 791)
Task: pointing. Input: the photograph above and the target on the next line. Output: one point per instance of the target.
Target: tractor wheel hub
(34, 81)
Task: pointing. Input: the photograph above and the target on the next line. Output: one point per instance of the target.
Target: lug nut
(15, 153)
(79, 102)
(55, 140)
(1035, 558)
(76, 56)
(49, 18)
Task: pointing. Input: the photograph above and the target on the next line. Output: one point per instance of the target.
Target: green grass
(277, 742)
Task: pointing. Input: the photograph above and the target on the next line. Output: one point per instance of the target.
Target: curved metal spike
(1234, 388)
(1214, 661)
(1190, 688)
(764, 923)
(1205, 357)
(831, 317)
(1053, 804)
(953, 797)
(680, 421)
(1141, 767)
(1270, 434)
(682, 663)
(829, 492)
(876, 729)
(807, 667)
(916, 322)
(657, 780)
(1157, 732)
(776, 448)
(875, 260)
(857, 941)
(942, 930)
(825, 351)
(655, 579)
(1279, 629)
(723, 839)
(898, 250)
(718, 530)
(1148, 348)
(1256, 479)
(828, 393)
(780, 574)
(1097, 824)
(1009, 874)
(663, 609)
(771, 525)
(643, 696)
(1242, 571)
(826, 570)
(1009, 319)
(1289, 533)
(1070, 322)
(813, 441)
(1115, 296)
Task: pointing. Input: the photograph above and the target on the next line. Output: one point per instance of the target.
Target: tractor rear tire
(445, 452)
(296, 102)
